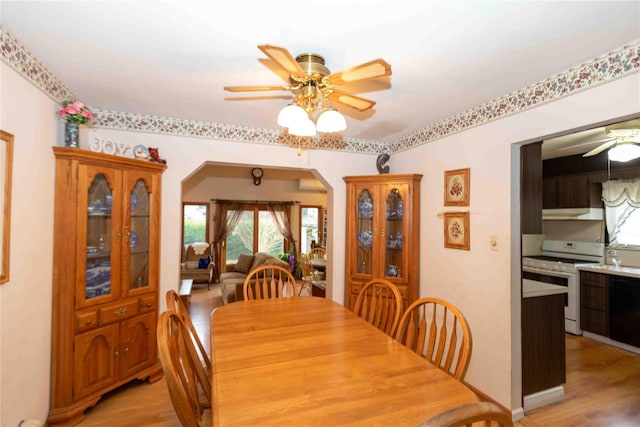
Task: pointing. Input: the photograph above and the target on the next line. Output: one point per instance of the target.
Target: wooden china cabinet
(383, 228)
(105, 278)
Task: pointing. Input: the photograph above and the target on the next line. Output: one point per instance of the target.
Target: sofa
(197, 263)
(232, 279)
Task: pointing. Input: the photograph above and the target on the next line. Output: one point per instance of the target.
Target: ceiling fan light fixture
(291, 114)
(303, 127)
(623, 152)
(331, 120)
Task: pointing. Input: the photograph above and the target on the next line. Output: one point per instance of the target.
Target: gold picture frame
(6, 162)
(456, 230)
(456, 187)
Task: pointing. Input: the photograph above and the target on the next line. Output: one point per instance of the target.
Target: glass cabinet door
(137, 235)
(364, 231)
(99, 235)
(393, 234)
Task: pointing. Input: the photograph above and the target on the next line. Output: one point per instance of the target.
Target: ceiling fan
(622, 140)
(315, 88)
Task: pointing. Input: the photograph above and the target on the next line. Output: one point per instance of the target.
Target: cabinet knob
(88, 322)
(115, 354)
(149, 304)
(125, 350)
(120, 312)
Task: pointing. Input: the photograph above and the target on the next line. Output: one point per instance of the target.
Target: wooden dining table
(309, 361)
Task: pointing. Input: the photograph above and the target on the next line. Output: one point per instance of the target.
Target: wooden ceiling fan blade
(351, 101)
(283, 58)
(254, 88)
(599, 149)
(370, 70)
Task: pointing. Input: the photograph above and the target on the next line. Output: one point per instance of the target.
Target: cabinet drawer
(594, 321)
(116, 312)
(593, 279)
(594, 297)
(86, 321)
(148, 303)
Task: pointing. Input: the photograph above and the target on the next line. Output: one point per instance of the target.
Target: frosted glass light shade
(291, 114)
(331, 121)
(304, 127)
(624, 152)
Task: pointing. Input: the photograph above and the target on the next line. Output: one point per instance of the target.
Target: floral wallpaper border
(616, 64)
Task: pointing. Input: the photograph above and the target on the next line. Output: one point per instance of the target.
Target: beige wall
(483, 283)
(25, 301)
(202, 188)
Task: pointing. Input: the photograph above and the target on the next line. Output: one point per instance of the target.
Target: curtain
(281, 218)
(223, 225)
(621, 199)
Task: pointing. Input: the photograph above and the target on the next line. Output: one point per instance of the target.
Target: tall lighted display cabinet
(383, 231)
(105, 278)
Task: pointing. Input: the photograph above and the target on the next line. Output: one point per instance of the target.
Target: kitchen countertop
(610, 269)
(539, 289)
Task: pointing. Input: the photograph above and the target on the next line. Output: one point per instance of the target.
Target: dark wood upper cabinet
(531, 188)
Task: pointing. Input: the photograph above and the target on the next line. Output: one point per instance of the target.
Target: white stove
(558, 266)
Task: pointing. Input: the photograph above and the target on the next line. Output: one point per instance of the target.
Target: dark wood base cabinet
(543, 343)
(594, 303)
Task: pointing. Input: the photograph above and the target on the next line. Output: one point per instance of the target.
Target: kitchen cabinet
(105, 281)
(570, 191)
(594, 302)
(531, 188)
(543, 345)
(382, 232)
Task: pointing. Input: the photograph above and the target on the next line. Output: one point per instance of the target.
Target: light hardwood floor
(602, 390)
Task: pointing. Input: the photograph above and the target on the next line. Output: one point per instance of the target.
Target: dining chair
(269, 281)
(307, 273)
(175, 303)
(438, 331)
(488, 413)
(380, 304)
(186, 379)
(317, 253)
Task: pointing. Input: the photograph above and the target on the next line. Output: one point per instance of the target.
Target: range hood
(593, 214)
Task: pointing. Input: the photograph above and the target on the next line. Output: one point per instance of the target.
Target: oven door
(559, 278)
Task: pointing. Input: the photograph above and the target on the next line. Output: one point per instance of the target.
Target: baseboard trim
(543, 398)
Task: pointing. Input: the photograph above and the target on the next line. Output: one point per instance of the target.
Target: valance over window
(622, 202)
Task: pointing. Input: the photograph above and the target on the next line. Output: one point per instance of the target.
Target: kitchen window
(622, 212)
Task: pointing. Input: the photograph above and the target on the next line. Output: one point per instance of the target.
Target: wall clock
(257, 175)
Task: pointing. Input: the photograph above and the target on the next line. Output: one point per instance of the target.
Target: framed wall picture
(456, 230)
(456, 187)
(6, 160)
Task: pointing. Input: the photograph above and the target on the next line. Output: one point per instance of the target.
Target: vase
(71, 134)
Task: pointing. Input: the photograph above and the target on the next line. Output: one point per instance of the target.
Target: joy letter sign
(108, 147)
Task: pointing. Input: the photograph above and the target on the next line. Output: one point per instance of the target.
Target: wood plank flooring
(602, 390)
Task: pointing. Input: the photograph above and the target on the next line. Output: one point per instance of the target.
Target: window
(195, 227)
(310, 226)
(255, 232)
(622, 212)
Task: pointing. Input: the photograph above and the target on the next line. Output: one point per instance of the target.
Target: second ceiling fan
(315, 88)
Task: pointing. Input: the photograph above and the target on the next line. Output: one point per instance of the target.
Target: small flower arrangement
(76, 112)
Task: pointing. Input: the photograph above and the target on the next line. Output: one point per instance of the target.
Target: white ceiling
(172, 58)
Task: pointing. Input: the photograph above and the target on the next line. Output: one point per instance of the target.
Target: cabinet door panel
(393, 238)
(362, 241)
(141, 233)
(95, 360)
(138, 336)
(99, 234)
